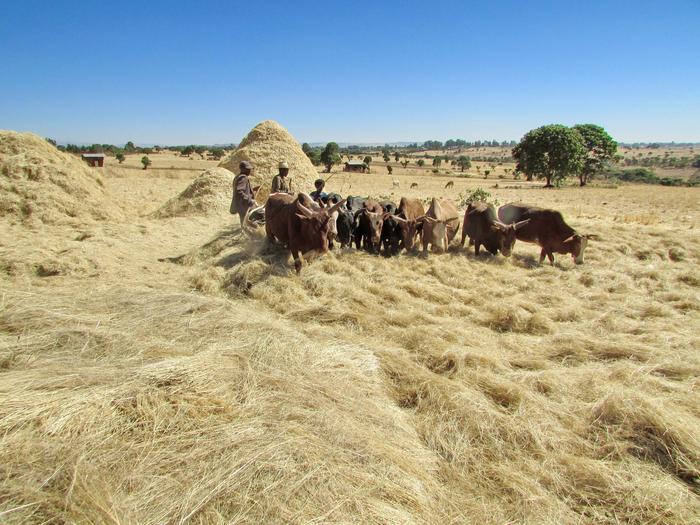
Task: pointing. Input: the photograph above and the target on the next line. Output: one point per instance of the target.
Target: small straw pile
(209, 194)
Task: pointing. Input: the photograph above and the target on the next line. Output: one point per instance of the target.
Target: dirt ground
(220, 387)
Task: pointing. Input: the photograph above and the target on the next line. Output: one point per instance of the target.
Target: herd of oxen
(307, 227)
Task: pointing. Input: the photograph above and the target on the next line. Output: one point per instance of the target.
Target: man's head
(245, 167)
(320, 184)
(284, 168)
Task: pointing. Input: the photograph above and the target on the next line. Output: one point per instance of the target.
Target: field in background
(446, 389)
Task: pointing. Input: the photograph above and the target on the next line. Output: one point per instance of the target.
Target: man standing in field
(243, 196)
(280, 182)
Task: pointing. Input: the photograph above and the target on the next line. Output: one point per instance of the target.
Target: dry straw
(40, 184)
(265, 146)
(208, 194)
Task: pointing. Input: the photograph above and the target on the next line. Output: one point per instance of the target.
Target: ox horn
(520, 224)
(400, 219)
(304, 210)
(336, 207)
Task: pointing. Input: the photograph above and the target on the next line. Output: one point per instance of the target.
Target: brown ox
(303, 230)
(307, 201)
(409, 216)
(370, 220)
(484, 228)
(547, 229)
(440, 225)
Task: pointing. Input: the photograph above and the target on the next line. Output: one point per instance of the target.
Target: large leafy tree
(601, 150)
(464, 162)
(330, 156)
(551, 152)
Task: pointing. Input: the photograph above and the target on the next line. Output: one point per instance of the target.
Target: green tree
(420, 162)
(306, 148)
(464, 162)
(330, 156)
(188, 150)
(200, 150)
(600, 147)
(389, 169)
(129, 146)
(387, 158)
(397, 156)
(550, 152)
(120, 157)
(217, 153)
(437, 161)
(146, 162)
(404, 163)
(51, 141)
(367, 160)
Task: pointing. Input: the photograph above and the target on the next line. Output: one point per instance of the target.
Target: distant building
(356, 166)
(94, 159)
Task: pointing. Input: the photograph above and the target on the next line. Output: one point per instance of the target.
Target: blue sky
(206, 72)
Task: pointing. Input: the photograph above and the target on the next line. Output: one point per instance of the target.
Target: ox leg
(543, 253)
(464, 236)
(447, 243)
(358, 241)
(477, 247)
(297, 260)
(550, 256)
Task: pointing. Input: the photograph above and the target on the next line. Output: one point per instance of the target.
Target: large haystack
(209, 194)
(265, 146)
(40, 183)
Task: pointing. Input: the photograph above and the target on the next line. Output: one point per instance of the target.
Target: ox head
(344, 225)
(576, 244)
(375, 220)
(409, 229)
(317, 225)
(435, 232)
(506, 235)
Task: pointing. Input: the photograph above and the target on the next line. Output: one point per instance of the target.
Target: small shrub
(476, 195)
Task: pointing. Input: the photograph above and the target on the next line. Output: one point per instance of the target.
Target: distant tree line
(215, 152)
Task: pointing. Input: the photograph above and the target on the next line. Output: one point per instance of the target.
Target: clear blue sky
(206, 72)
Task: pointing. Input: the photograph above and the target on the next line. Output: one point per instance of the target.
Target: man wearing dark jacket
(243, 196)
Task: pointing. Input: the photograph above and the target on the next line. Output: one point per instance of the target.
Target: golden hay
(435, 390)
(266, 145)
(208, 194)
(39, 183)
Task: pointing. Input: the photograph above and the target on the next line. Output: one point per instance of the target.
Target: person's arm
(244, 192)
(275, 184)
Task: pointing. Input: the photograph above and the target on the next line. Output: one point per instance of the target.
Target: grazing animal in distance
(304, 231)
(450, 185)
(546, 228)
(369, 222)
(440, 225)
(395, 183)
(483, 228)
(409, 216)
(414, 185)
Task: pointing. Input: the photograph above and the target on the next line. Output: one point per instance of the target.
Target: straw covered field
(156, 366)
